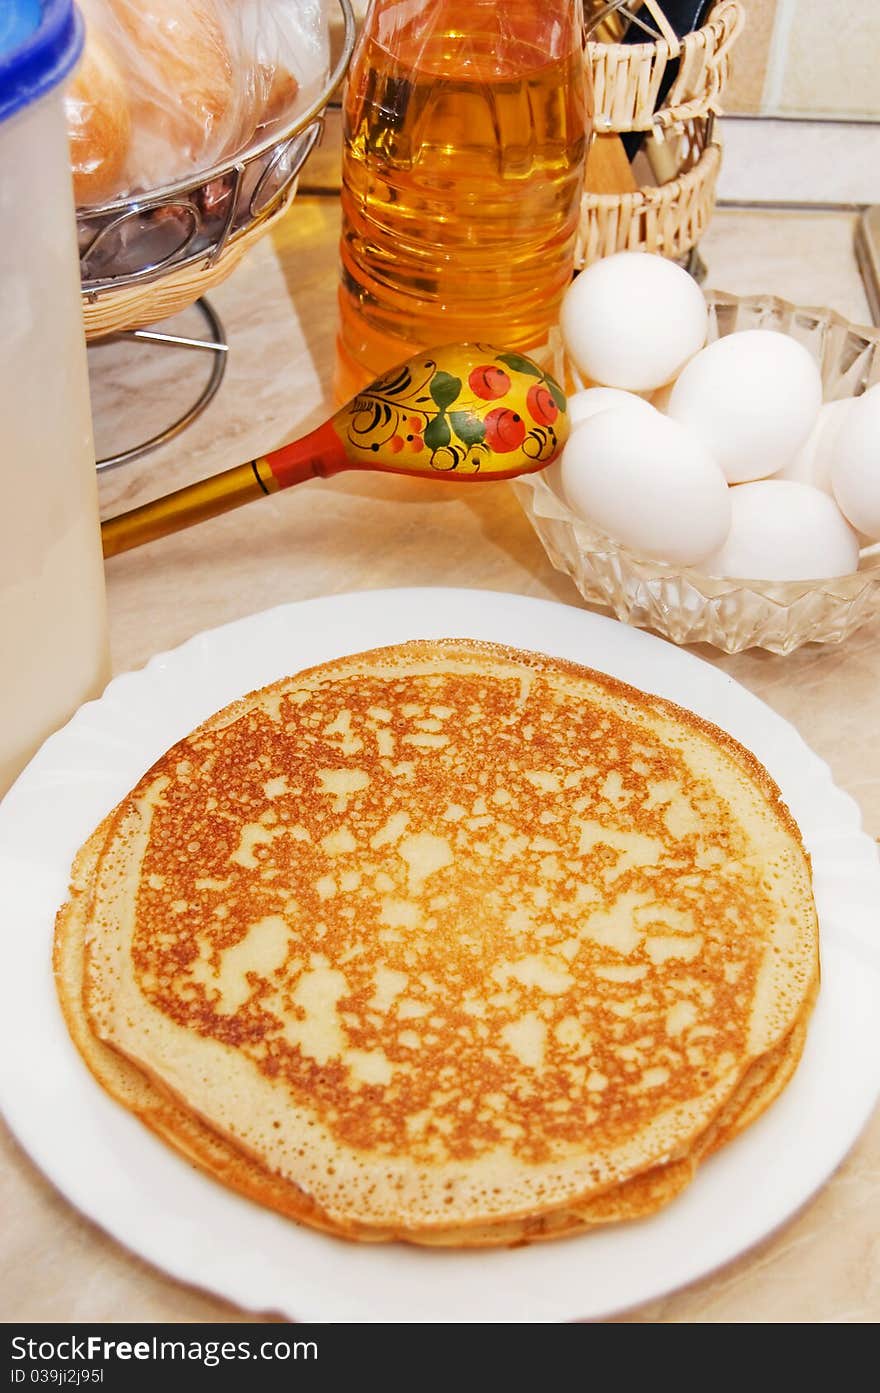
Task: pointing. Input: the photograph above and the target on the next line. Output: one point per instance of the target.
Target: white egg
(812, 463)
(581, 406)
(632, 320)
(855, 465)
(781, 530)
(647, 483)
(753, 398)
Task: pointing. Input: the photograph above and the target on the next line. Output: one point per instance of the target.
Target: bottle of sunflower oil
(465, 129)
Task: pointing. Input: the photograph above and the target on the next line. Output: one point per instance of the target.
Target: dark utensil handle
(684, 17)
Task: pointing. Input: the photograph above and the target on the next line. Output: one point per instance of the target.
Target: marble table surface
(364, 532)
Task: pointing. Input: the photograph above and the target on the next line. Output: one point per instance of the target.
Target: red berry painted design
(541, 404)
(488, 382)
(416, 444)
(396, 444)
(505, 430)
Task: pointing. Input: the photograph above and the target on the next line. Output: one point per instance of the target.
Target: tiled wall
(815, 58)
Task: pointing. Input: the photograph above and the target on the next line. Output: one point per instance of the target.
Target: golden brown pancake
(445, 936)
(210, 1152)
(217, 1158)
(204, 1148)
(653, 1189)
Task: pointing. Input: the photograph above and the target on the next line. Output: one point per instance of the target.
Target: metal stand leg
(215, 344)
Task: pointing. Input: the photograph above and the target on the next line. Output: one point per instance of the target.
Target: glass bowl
(683, 605)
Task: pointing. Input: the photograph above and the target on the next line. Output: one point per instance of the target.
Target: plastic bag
(168, 88)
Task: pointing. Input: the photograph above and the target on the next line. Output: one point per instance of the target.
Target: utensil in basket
(682, 17)
(628, 80)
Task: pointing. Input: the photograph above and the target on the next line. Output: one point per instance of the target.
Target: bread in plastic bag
(170, 88)
(98, 114)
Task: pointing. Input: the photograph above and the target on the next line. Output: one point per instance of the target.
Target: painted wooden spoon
(466, 412)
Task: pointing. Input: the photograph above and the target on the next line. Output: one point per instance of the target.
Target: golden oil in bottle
(464, 140)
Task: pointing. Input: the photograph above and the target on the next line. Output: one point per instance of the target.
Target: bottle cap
(40, 41)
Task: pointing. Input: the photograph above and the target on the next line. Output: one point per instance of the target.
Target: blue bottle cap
(40, 41)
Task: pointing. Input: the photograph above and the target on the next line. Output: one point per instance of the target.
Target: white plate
(108, 1165)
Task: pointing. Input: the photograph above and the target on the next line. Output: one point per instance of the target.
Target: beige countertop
(365, 532)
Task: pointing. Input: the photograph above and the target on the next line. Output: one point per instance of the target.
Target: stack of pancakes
(445, 942)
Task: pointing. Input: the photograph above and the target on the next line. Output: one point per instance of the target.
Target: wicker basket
(136, 306)
(668, 218)
(627, 77)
